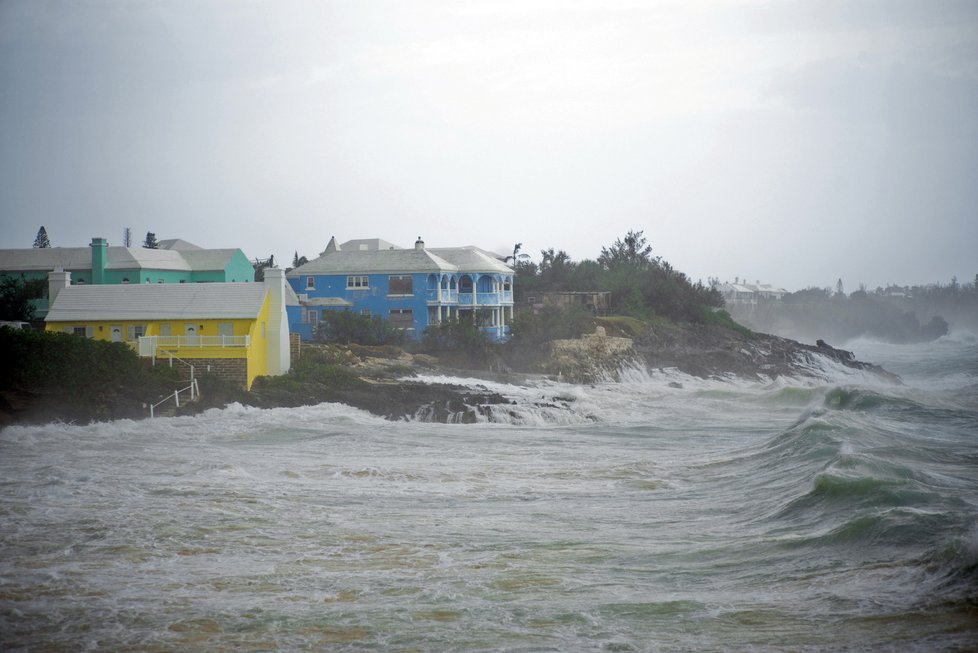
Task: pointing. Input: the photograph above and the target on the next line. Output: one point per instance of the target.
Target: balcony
(442, 296)
(151, 345)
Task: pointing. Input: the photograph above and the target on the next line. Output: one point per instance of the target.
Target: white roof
(46, 258)
(116, 258)
(368, 245)
(328, 301)
(472, 259)
(177, 243)
(384, 261)
(158, 301)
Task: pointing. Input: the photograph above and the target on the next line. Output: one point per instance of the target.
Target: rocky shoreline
(379, 381)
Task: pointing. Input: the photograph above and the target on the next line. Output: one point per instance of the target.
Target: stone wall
(295, 346)
(234, 370)
(587, 359)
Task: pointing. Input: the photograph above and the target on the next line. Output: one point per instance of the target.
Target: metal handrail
(194, 393)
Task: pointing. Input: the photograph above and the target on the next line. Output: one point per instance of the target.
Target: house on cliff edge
(410, 288)
(237, 330)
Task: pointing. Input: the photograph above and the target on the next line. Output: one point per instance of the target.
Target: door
(190, 333)
(115, 332)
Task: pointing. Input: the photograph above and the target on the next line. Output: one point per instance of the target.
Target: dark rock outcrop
(712, 351)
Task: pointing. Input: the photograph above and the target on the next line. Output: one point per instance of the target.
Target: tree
(261, 265)
(41, 241)
(517, 256)
(298, 260)
(16, 295)
(150, 242)
(633, 251)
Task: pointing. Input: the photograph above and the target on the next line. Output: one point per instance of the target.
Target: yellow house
(236, 330)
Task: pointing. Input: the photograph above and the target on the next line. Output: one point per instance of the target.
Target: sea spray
(663, 511)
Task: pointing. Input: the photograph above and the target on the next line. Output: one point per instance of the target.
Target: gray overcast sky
(794, 142)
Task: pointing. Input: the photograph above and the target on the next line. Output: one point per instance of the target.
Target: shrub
(347, 327)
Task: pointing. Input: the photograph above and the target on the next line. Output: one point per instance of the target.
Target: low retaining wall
(586, 359)
(234, 370)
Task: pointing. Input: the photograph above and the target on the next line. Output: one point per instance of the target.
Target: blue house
(410, 288)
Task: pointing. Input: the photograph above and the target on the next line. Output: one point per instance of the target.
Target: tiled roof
(117, 258)
(208, 259)
(367, 244)
(46, 258)
(160, 301)
(472, 259)
(384, 261)
(178, 244)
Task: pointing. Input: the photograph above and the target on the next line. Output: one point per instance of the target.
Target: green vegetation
(347, 327)
(722, 318)
(41, 241)
(314, 378)
(56, 375)
(641, 285)
(16, 294)
(533, 328)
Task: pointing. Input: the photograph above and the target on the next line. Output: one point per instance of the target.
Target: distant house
(237, 330)
(598, 302)
(176, 261)
(410, 288)
(750, 293)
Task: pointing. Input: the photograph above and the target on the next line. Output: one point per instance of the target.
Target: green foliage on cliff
(641, 285)
(722, 318)
(532, 328)
(68, 377)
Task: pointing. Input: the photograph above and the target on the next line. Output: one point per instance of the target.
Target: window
(125, 279)
(311, 283)
(135, 331)
(80, 281)
(357, 282)
(165, 330)
(159, 281)
(83, 331)
(399, 284)
(401, 318)
(225, 328)
(312, 316)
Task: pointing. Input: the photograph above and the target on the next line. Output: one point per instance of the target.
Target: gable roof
(46, 258)
(367, 245)
(158, 301)
(178, 244)
(116, 258)
(384, 261)
(472, 259)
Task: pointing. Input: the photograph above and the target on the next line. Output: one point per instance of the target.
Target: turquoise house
(176, 261)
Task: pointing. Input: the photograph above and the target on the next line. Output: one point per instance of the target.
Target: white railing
(194, 394)
(148, 345)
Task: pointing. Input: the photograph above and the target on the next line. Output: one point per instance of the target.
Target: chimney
(419, 244)
(100, 247)
(277, 333)
(58, 280)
